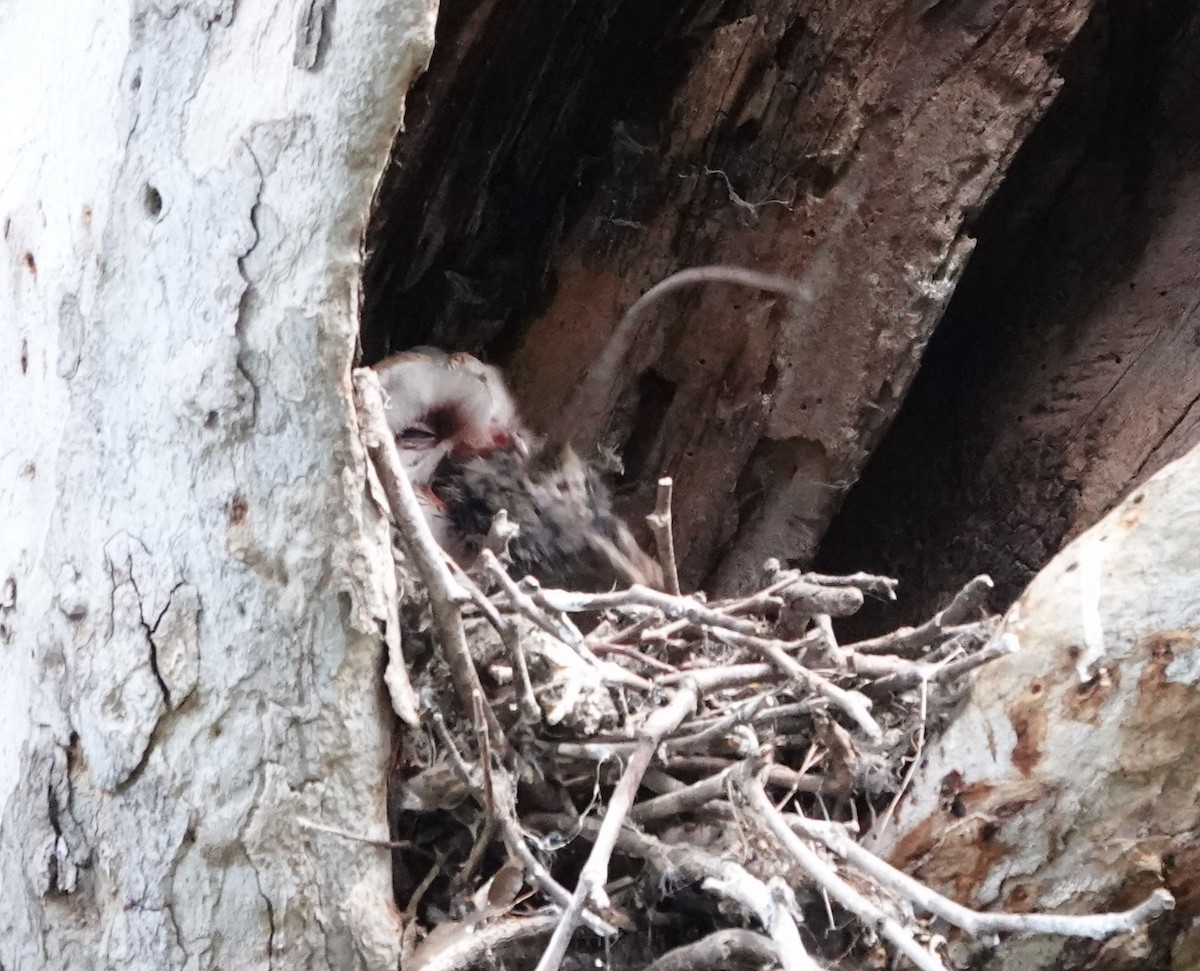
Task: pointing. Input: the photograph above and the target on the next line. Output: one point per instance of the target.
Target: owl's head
(442, 405)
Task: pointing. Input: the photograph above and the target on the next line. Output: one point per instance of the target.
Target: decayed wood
(844, 145)
(1064, 372)
(882, 133)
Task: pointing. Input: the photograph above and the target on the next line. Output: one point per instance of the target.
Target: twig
(644, 598)
(524, 603)
(883, 588)
(594, 874)
(381, 842)
(969, 600)
(851, 702)
(660, 525)
(827, 878)
(975, 923)
(511, 639)
(445, 595)
(919, 748)
(729, 948)
(474, 942)
(684, 800)
(723, 878)
(739, 714)
(607, 647)
(381, 449)
(503, 800)
(890, 673)
(457, 762)
(809, 598)
(726, 676)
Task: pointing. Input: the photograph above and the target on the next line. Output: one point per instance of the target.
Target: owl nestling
(469, 457)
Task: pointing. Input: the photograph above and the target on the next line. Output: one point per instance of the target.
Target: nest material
(670, 713)
(683, 785)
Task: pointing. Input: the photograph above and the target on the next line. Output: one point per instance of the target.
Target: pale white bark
(1068, 781)
(193, 578)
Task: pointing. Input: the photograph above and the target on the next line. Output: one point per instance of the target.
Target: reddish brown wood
(883, 134)
(563, 158)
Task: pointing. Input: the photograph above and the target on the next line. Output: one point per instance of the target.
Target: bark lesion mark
(70, 844)
(52, 810)
(312, 34)
(152, 201)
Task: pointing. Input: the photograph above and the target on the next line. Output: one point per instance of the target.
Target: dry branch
(677, 715)
(719, 951)
(976, 923)
(871, 914)
(445, 595)
(969, 600)
(664, 539)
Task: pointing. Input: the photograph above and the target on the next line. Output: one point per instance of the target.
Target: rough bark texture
(192, 579)
(1069, 780)
(848, 145)
(1067, 368)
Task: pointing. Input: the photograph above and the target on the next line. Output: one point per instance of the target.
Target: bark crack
(150, 630)
(1184, 414)
(244, 304)
(270, 910)
(52, 810)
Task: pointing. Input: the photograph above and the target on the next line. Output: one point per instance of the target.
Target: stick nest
(641, 779)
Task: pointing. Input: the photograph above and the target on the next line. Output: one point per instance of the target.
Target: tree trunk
(193, 580)
(1065, 370)
(1068, 781)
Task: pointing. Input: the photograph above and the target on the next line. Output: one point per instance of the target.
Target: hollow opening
(1058, 377)
(524, 108)
(1041, 399)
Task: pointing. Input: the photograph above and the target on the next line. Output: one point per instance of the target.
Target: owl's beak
(484, 446)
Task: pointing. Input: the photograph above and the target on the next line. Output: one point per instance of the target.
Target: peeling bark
(1068, 782)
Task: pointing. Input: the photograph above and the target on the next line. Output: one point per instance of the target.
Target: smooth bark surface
(1068, 781)
(194, 579)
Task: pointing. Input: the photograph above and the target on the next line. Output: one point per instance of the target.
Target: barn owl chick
(441, 404)
(468, 457)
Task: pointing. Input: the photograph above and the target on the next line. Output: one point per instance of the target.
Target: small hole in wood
(152, 200)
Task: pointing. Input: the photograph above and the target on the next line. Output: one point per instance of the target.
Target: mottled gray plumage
(568, 534)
